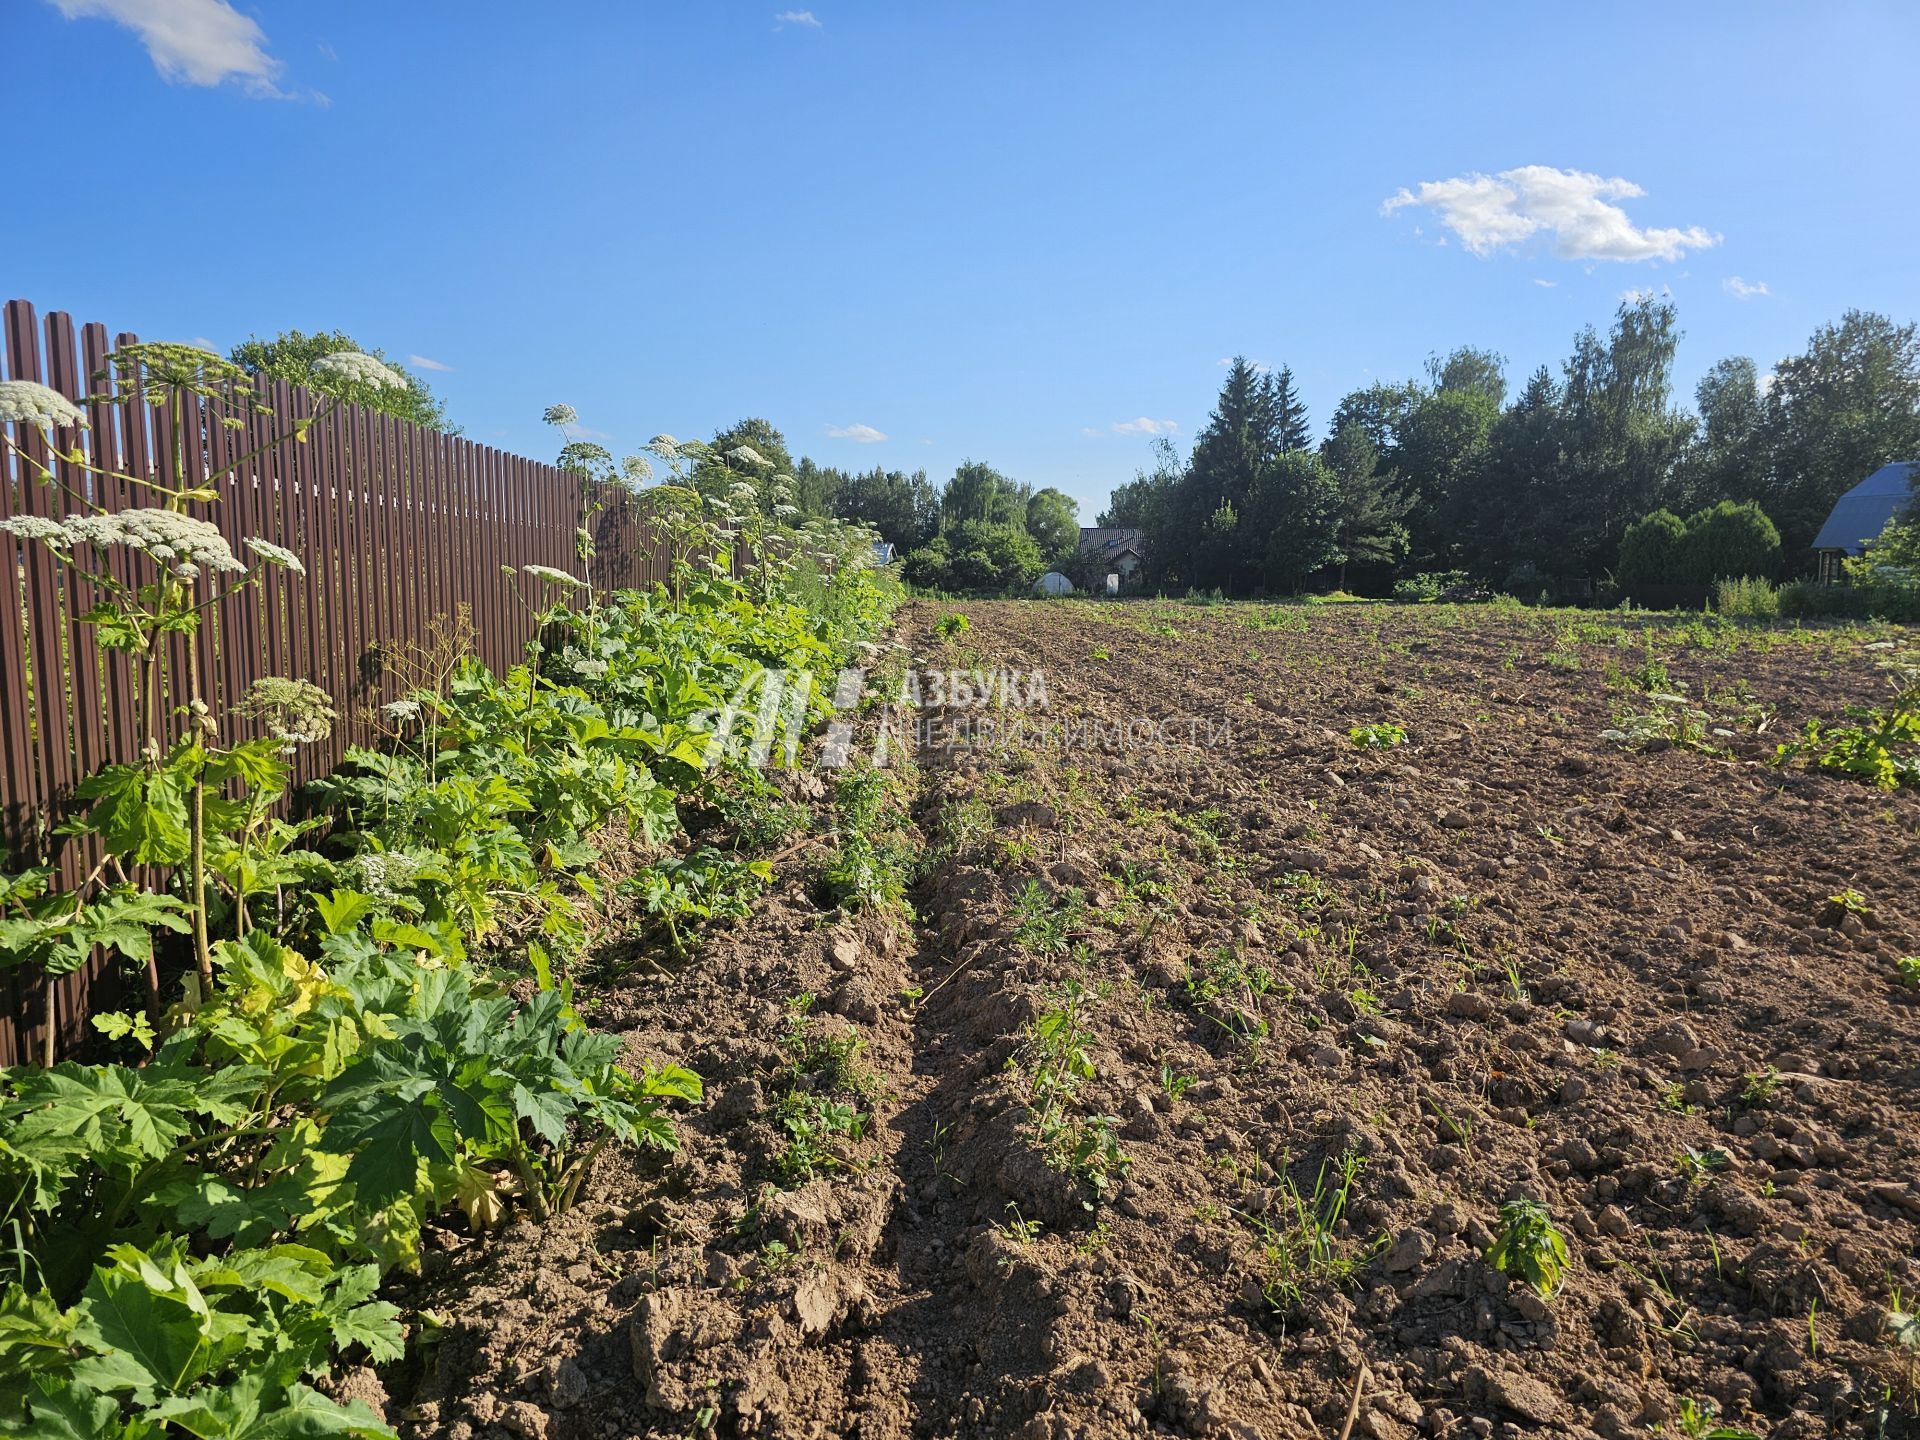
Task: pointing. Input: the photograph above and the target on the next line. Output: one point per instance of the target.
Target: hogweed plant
(158, 571)
(358, 1067)
(1882, 747)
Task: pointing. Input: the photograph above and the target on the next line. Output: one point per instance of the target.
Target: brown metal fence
(404, 533)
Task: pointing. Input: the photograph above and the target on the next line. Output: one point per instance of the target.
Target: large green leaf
(141, 813)
(149, 1339)
(209, 1203)
(63, 1410)
(545, 1109)
(256, 1407)
(357, 1319)
(342, 910)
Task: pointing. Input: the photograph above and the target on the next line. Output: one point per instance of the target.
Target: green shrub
(1724, 541)
(1746, 598)
(1650, 550)
(1728, 540)
(977, 557)
(1428, 586)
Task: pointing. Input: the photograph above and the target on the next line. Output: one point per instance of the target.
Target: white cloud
(1634, 297)
(859, 434)
(192, 42)
(1144, 426)
(1570, 207)
(1741, 290)
(421, 362)
(1546, 284)
(797, 17)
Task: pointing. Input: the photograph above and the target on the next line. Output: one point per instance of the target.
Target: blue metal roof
(1862, 513)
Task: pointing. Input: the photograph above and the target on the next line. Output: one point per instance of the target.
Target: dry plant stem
(1353, 1406)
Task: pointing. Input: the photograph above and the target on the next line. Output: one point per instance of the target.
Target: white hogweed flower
(43, 528)
(553, 576)
(295, 712)
(275, 554)
(786, 511)
(636, 469)
(665, 446)
(27, 402)
(385, 873)
(560, 415)
(179, 543)
(354, 367)
(398, 710)
(747, 455)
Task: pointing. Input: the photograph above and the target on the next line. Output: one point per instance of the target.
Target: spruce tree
(1290, 412)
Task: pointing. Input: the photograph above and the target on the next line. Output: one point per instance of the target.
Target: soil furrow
(1341, 1005)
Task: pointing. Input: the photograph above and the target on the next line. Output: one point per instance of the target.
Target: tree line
(1447, 472)
(1588, 471)
(979, 531)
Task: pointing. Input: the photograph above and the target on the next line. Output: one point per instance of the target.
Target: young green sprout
(1383, 736)
(1696, 1420)
(1529, 1248)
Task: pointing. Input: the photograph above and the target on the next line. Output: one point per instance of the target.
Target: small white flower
(747, 455)
(401, 710)
(275, 554)
(38, 527)
(27, 402)
(553, 576)
(636, 469)
(560, 415)
(353, 367)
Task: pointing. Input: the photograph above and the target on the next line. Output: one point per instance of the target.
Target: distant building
(1111, 550)
(1053, 583)
(1861, 514)
(883, 552)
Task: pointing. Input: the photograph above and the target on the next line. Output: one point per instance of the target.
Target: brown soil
(1508, 959)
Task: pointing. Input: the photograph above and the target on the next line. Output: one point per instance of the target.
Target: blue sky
(1025, 233)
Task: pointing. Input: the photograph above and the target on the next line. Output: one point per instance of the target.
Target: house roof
(1109, 539)
(1863, 511)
